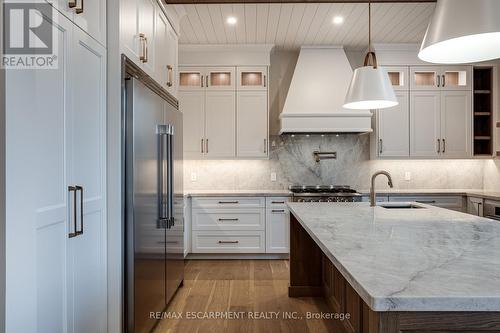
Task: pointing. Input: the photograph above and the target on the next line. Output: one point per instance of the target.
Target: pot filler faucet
(372, 189)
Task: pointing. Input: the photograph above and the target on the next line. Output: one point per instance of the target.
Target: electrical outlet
(273, 176)
(407, 176)
(194, 177)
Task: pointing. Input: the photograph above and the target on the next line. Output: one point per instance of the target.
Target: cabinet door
(425, 78)
(91, 17)
(456, 116)
(252, 123)
(252, 78)
(191, 78)
(425, 123)
(36, 104)
(475, 206)
(129, 30)
(87, 300)
(146, 23)
(394, 128)
(220, 124)
(63, 6)
(161, 30)
(277, 230)
(456, 78)
(220, 78)
(192, 105)
(398, 77)
(171, 56)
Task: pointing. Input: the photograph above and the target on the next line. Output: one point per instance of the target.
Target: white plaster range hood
(317, 92)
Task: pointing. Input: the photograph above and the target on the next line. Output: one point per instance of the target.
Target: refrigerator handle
(170, 176)
(162, 132)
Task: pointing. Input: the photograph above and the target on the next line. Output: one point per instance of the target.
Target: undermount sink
(400, 206)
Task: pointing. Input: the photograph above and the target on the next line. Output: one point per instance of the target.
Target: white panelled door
(252, 124)
(192, 105)
(90, 15)
(425, 123)
(456, 117)
(394, 128)
(220, 124)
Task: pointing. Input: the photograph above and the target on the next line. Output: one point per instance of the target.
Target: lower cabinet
(239, 225)
(475, 206)
(453, 202)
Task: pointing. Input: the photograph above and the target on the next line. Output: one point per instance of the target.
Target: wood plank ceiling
(288, 26)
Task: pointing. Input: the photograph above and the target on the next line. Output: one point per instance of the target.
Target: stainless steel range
(324, 193)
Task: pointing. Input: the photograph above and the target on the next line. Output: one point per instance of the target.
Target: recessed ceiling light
(338, 20)
(231, 20)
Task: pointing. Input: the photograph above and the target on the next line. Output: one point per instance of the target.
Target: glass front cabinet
(440, 77)
(252, 78)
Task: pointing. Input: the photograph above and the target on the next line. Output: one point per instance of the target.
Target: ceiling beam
(289, 1)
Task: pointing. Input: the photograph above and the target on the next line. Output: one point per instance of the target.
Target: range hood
(317, 92)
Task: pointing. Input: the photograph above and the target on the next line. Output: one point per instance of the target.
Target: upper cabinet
(207, 78)
(191, 78)
(89, 15)
(398, 77)
(440, 77)
(149, 40)
(252, 78)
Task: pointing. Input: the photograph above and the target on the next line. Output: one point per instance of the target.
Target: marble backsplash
(292, 160)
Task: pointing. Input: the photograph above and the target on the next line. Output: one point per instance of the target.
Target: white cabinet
(221, 121)
(277, 225)
(57, 118)
(89, 15)
(252, 78)
(166, 49)
(393, 128)
(440, 124)
(441, 77)
(252, 126)
(453, 202)
(475, 206)
(398, 76)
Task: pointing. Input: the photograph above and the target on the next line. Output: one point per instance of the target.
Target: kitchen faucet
(372, 189)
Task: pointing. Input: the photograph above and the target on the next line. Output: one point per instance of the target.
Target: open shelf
(483, 112)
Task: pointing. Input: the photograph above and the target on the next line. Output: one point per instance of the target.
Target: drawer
(228, 202)
(228, 219)
(228, 242)
(276, 202)
(450, 202)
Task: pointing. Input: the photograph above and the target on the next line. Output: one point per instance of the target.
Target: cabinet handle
(72, 4)
(79, 10)
(202, 146)
(73, 189)
(144, 42)
(221, 220)
(265, 81)
(278, 210)
(380, 150)
(277, 202)
(229, 202)
(438, 80)
(444, 146)
(228, 242)
(426, 201)
(201, 80)
(169, 76)
(265, 146)
(80, 188)
(444, 80)
(439, 145)
(206, 146)
(206, 81)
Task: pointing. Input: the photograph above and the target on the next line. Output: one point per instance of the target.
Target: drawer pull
(228, 220)
(426, 201)
(278, 211)
(228, 202)
(228, 242)
(277, 202)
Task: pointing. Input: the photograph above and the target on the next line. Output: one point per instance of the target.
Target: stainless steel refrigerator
(154, 205)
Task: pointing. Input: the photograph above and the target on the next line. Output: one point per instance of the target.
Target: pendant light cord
(369, 26)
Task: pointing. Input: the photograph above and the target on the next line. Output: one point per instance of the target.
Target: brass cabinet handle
(228, 202)
(227, 219)
(79, 10)
(444, 146)
(169, 76)
(380, 143)
(73, 189)
(80, 188)
(444, 80)
(439, 145)
(278, 211)
(72, 4)
(228, 242)
(144, 45)
(202, 146)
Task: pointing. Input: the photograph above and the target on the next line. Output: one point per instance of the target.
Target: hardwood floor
(247, 286)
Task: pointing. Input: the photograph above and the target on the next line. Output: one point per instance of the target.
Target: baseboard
(236, 256)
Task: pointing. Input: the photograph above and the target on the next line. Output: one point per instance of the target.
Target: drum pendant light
(370, 86)
(462, 31)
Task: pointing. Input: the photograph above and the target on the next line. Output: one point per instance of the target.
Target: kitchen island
(398, 269)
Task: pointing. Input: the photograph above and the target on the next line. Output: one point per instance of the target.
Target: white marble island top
(429, 259)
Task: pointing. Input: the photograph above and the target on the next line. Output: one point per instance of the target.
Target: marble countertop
(429, 259)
